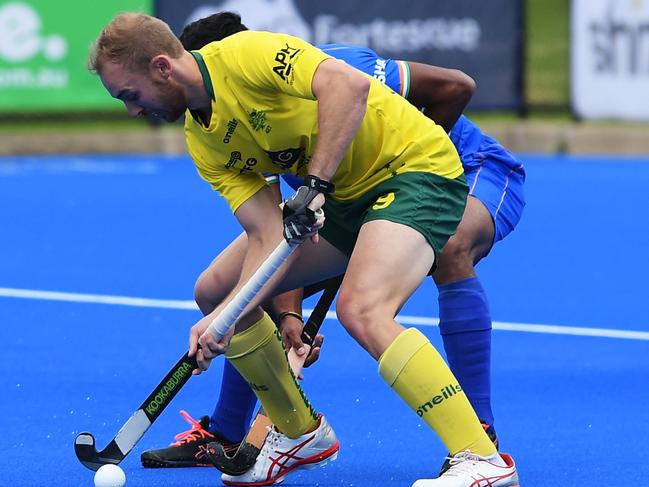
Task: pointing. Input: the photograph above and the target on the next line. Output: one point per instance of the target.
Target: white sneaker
(470, 470)
(281, 455)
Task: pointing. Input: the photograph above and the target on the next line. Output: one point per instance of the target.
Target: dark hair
(209, 29)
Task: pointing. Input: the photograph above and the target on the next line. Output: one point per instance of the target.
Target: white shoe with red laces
(470, 470)
(281, 455)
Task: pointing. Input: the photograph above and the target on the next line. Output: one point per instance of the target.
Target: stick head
(84, 447)
(237, 464)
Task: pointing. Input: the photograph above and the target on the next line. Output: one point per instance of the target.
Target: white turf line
(404, 319)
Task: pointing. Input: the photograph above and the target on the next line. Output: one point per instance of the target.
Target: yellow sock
(259, 356)
(419, 375)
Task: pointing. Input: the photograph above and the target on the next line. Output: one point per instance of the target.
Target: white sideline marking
(403, 319)
(6, 292)
(87, 165)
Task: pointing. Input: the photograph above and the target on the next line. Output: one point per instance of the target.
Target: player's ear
(161, 66)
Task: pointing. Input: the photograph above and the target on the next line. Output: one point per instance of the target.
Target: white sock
(497, 460)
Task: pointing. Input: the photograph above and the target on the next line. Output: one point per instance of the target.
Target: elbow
(360, 87)
(464, 86)
(337, 82)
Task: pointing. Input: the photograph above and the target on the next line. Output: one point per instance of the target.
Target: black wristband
(318, 184)
(284, 314)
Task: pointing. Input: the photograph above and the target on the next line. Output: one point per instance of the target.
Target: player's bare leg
(471, 242)
(212, 287)
(398, 257)
(465, 320)
(297, 439)
(220, 277)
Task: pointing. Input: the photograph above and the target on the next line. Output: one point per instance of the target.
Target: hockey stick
(133, 430)
(245, 456)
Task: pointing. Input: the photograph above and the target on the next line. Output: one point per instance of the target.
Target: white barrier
(610, 59)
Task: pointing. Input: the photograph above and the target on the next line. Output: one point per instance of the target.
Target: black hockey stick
(244, 458)
(131, 432)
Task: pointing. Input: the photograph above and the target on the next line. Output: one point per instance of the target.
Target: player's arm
(282, 63)
(261, 219)
(286, 309)
(342, 93)
(442, 93)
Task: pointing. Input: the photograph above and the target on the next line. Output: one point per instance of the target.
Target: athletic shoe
(471, 470)
(280, 455)
(491, 433)
(189, 448)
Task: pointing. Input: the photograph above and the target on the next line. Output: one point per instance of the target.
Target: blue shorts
(499, 187)
(493, 174)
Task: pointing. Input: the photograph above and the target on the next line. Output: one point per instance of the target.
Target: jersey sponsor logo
(383, 201)
(285, 58)
(379, 69)
(257, 119)
(232, 126)
(249, 165)
(285, 158)
(445, 393)
(235, 157)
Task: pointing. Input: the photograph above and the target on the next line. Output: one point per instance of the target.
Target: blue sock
(233, 412)
(465, 325)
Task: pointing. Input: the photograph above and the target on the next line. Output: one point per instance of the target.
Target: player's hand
(303, 215)
(205, 346)
(291, 330)
(314, 355)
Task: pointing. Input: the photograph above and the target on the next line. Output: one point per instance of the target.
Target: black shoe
(189, 448)
(491, 433)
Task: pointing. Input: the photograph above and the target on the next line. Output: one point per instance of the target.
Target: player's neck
(190, 79)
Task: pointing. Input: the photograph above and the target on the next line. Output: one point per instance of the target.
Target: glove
(298, 219)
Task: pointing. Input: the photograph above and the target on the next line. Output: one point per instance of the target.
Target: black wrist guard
(320, 185)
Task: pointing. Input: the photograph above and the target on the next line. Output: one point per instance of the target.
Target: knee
(356, 315)
(210, 289)
(456, 260)
(457, 250)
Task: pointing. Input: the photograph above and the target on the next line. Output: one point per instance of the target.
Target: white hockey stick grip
(228, 315)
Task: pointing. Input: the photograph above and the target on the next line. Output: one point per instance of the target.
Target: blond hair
(132, 40)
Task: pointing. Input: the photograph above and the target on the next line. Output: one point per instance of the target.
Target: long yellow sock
(419, 375)
(259, 356)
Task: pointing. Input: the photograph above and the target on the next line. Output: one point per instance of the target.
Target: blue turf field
(572, 409)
